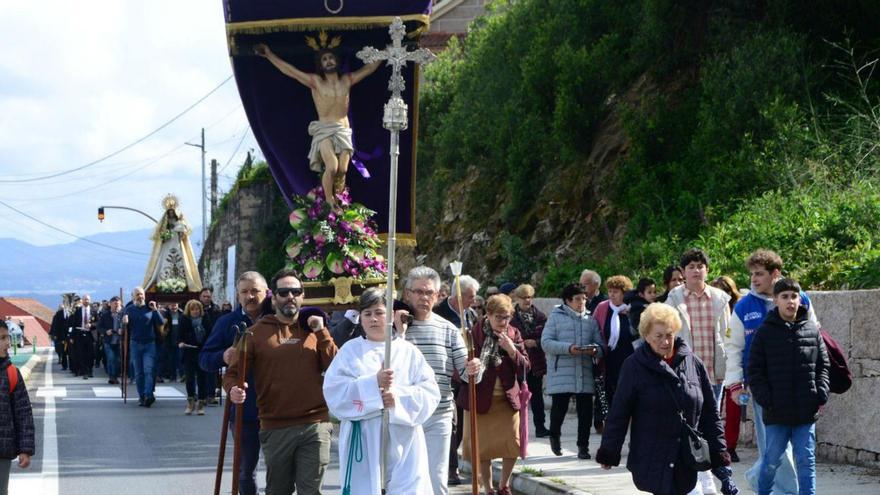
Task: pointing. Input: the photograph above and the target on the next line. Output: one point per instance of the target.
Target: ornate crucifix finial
(397, 57)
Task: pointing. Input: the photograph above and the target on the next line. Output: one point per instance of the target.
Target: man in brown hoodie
(287, 363)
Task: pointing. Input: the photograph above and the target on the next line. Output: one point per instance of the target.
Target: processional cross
(395, 120)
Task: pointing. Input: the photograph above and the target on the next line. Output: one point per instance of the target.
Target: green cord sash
(355, 454)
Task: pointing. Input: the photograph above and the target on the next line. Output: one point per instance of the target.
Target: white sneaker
(706, 482)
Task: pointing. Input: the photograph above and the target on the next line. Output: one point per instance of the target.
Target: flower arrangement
(333, 242)
(171, 285)
(166, 234)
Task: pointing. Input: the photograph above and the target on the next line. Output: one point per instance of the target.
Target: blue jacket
(211, 357)
(142, 323)
(567, 373)
(751, 311)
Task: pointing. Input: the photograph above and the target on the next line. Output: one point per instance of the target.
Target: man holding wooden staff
(287, 359)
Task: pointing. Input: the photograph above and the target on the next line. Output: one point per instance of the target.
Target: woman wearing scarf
(503, 357)
(529, 320)
(192, 337)
(613, 319)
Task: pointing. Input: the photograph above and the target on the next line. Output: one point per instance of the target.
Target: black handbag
(694, 448)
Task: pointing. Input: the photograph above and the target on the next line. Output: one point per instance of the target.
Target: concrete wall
(848, 430)
(246, 213)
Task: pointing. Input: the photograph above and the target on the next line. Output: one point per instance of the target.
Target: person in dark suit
(82, 324)
(58, 332)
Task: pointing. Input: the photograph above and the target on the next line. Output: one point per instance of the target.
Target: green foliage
(735, 113)
(272, 256)
(828, 238)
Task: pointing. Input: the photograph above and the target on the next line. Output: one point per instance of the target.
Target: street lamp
(102, 208)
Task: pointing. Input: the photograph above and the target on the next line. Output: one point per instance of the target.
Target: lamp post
(102, 208)
(204, 193)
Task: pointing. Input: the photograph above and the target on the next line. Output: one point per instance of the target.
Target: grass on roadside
(531, 471)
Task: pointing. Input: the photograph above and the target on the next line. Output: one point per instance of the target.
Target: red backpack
(12, 375)
(839, 375)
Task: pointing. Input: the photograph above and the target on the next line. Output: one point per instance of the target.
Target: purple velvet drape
(279, 108)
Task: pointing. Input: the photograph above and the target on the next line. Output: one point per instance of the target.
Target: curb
(527, 484)
(29, 366)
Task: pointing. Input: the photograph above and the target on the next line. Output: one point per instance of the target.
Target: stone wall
(848, 430)
(247, 211)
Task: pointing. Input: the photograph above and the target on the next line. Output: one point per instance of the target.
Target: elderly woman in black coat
(650, 379)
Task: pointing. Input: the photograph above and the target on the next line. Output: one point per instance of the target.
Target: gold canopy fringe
(407, 240)
(316, 23)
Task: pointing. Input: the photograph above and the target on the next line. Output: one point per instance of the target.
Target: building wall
(849, 425)
(456, 19)
(248, 210)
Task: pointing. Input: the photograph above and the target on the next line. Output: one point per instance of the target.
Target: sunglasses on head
(286, 291)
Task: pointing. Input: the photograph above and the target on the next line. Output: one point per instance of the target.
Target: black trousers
(536, 386)
(61, 349)
(584, 405)
(84, 346)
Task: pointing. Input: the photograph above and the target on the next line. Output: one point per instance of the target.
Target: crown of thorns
(322, 42)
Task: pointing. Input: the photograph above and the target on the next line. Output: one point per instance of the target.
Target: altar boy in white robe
(356, 390)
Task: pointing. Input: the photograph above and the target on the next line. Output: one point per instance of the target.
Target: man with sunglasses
(288, 357)
(443, 347)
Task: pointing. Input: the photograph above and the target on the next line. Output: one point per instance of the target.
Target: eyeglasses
(502, 318)
(287, 291)
(423, 293)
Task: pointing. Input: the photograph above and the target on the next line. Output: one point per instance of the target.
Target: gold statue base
(339, 293)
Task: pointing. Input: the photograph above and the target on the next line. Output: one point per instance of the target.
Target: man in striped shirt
(444, 350)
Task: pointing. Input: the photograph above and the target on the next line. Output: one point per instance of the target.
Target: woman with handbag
(675, 432)
(503, 356)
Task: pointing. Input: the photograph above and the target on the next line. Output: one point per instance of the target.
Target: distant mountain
(45, 272)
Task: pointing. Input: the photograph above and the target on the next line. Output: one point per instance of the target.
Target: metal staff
(395, 120)
(239, 409)
(224, 431)
(124, 355)
(455, 268)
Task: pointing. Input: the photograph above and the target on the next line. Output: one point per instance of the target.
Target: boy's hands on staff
(385, 379)
(473, 367)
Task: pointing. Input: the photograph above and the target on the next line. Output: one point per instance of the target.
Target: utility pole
(213, 188)
(204, 191)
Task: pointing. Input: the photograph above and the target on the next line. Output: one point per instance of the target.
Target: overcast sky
(80, 80)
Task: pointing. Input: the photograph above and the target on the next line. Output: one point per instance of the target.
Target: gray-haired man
(443, 347)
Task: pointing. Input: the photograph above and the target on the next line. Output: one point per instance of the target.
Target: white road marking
(109, 392)
(167, 392)
(51, 391)
(47, 482)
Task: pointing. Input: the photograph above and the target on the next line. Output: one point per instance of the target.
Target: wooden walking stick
(239, 409)
(124, 353)
(455, 267)
(224, 432)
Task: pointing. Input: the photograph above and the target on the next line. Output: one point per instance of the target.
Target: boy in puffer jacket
(16, 417)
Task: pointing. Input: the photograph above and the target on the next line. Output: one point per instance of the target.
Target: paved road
(89, 442)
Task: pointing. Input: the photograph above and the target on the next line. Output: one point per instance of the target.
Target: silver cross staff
(395, 120)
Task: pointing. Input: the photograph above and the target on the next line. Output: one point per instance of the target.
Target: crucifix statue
(395, 120)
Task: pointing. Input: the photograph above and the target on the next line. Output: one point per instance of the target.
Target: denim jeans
(195, 376)
(786, 478)
(803, 443)
(143, 356)
(111, 366)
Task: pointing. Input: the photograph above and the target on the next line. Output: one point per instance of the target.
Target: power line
(68, 233)
(124, 148)
(243, 136)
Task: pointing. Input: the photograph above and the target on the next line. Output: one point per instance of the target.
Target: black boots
(555, 444)
(584, 453)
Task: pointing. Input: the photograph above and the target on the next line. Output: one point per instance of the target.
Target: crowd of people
(648, 361)
(163, 343)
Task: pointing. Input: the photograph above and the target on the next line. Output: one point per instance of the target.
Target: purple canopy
(279, 109)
